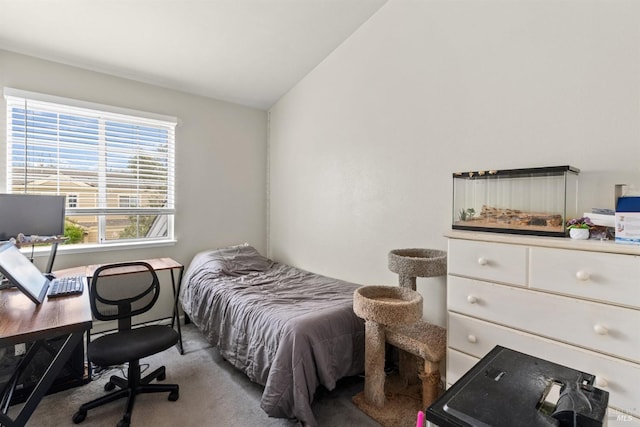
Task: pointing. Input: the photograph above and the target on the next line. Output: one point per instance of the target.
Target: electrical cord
(101, 371)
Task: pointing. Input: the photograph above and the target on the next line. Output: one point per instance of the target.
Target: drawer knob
(601, 382)
(472, 338)
(483, 261)
(471, 299)
(582, 275)
(600, 329)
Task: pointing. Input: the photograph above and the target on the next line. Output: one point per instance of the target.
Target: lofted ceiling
(249, 52)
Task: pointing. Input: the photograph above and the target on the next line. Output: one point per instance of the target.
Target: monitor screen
(21, 272)
(31, 214)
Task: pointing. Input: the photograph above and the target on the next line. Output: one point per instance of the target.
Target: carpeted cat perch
(394, 315)
(412, 263)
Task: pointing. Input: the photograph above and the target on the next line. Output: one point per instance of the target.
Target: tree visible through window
(117, 170)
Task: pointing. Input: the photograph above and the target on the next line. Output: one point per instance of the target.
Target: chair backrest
(123, 290)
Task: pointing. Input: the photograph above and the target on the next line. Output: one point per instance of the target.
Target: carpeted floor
(212, 393)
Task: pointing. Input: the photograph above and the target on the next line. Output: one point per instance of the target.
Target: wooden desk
(158, 264)
(22, 321)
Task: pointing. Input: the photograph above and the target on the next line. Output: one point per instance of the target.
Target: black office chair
(117, 296)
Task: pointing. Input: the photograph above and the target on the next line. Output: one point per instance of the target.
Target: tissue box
(628, 220)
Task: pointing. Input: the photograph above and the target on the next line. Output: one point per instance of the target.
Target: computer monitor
(22, 273)
(31, 214)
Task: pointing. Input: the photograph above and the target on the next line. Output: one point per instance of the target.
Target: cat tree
(394, 315)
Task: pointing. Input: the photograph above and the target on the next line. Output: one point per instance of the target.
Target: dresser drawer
(606, 328)
(611, 278)
(457, 365)
(476, 338)
(488, 261)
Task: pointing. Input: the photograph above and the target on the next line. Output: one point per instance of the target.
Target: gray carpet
(212, 393)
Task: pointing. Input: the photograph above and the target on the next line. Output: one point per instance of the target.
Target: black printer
(507, 388)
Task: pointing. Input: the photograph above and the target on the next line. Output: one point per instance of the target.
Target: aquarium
(520, 201)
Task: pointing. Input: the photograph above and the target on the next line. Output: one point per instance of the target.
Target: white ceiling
(249, 52)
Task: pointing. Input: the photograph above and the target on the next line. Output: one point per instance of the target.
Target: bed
(287, 329)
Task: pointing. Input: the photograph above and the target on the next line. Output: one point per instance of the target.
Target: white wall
(362, 150)
(220, 157)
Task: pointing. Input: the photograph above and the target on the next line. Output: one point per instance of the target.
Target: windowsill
(44, 251)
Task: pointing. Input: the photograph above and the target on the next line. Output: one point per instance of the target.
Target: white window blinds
(100, 156)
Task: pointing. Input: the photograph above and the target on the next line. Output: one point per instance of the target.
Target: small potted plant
(579, 227)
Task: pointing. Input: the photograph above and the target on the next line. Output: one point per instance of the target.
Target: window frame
(101, 211)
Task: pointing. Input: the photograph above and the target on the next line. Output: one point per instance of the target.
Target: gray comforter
(287, 329)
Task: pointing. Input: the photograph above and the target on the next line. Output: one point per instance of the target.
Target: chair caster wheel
(109, 386)
(162, 377)
(79, 417)
(173, 396)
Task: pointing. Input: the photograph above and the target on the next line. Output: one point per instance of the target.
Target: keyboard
(66, 286)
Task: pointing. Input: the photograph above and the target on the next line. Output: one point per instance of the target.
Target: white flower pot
(579, 233)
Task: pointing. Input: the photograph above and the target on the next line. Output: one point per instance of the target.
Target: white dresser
(576, 303)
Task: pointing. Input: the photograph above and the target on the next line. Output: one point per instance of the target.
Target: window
(72, 200)
(115, 166)
(128, 201)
